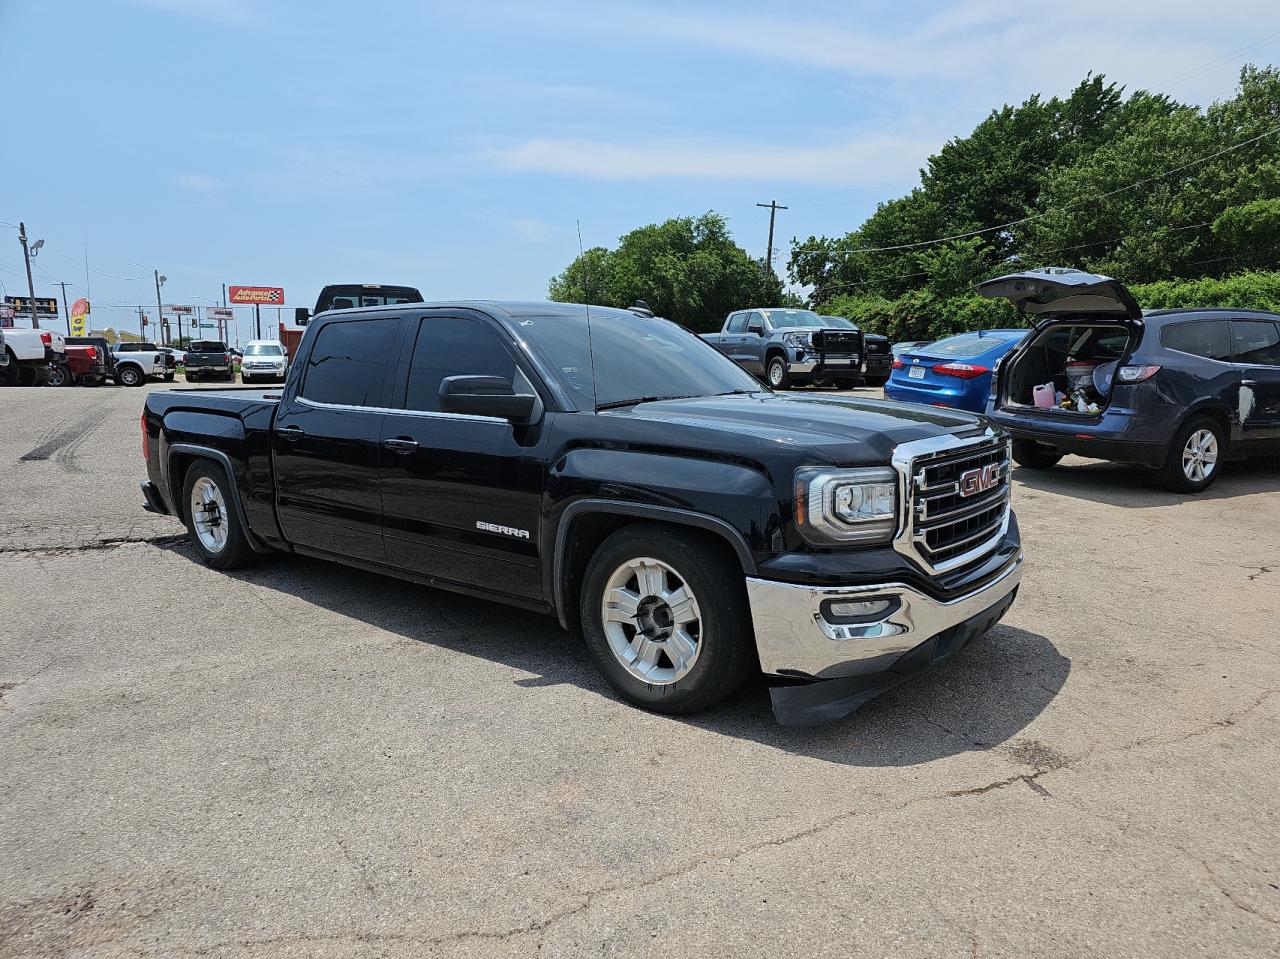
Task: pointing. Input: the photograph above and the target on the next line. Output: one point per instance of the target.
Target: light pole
(159, 306)
(27, 254)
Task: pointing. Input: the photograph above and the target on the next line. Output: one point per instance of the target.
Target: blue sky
(452, 146)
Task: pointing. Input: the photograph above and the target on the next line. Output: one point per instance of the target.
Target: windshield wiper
(615, 404)
(737, 393)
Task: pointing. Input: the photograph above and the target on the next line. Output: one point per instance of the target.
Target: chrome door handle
(1248, 382)
(401, 445)
(291, 433)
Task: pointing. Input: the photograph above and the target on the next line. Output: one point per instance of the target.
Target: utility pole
(159, 307)
(66, 314)
(773, 208)
(31, 286)
(257, 322)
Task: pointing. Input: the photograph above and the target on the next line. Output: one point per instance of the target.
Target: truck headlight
(798, 341)
(847, 506)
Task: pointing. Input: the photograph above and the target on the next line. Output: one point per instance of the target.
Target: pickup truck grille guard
(942, 526)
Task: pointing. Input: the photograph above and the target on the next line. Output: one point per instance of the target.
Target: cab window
(1208, 338)
(348, 363)
(453, 346)
(1256, 342)
(737, 323)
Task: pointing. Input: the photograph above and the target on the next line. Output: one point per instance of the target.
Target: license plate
(916, 373)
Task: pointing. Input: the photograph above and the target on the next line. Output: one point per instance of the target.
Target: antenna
(586, 288)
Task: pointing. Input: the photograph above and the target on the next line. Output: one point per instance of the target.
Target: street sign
(263, 295)
(180, 309)
(220, 313)
(45, 305)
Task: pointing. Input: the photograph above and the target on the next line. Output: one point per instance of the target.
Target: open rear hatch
(1090, 325)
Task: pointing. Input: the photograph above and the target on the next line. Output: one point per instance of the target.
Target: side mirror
(755, 328)
(301, 316)
(488, 396)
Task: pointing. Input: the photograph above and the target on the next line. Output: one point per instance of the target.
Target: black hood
(1055, 289)
(845, 431)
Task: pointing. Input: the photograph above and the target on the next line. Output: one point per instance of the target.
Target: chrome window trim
(428, 414)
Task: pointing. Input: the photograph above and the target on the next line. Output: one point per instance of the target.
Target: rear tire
(212, 517)
(1033, 456)
(59, 375)
(168, 377)
(9, 373)
(130, 376)
(679, 637)
(27, 376)
(1195, 456)
(776, 373)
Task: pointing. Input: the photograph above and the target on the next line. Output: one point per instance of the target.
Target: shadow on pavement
(1116, 484)
(975, 700)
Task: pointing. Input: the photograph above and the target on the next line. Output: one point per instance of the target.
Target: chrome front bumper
(794, 637)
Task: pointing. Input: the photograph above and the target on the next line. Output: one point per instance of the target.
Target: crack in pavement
(1230, 897)
(106, 542)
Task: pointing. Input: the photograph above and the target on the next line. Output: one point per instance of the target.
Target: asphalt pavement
(299, 759)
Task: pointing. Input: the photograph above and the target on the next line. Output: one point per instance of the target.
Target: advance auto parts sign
(264, 295)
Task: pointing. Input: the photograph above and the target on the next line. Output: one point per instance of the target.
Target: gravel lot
(304, 760)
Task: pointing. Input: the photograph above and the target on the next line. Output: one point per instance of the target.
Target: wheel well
(1216, 413)
(773, 351)
(584, 536)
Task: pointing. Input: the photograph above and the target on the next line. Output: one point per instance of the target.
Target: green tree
(687, 269)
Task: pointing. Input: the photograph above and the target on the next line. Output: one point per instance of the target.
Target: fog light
(860, 610)
(847, 611)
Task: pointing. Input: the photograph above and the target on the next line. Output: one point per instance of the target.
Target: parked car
(135, 363)
(1178, 391)
(85, 365)
(904, 345)
(264, 360)
(633, 482)
(32, 355)
(208, 359)
(106, 358)
(878, 359)
(179, 356)
(786, 347)
(955, 371)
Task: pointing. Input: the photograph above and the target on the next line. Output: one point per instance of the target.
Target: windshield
(635, 357)
(783, 319)
(264, 349)
(971, 344)
(839, 323)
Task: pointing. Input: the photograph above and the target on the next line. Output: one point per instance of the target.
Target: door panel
(325, 440)
(463, 503)
(1256, 345)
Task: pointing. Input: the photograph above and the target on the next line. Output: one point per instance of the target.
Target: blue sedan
(955, 371)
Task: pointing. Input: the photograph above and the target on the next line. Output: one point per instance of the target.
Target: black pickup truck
(208, 359)
(618, 472)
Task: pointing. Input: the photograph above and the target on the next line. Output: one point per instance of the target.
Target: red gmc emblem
(973, 482)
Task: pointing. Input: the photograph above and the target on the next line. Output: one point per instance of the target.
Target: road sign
(180, 309)
(263, 295)
(220, 313)
(45, 305)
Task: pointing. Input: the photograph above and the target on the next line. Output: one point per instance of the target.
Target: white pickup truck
(32, 355)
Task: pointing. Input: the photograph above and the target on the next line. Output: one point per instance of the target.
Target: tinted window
(207, 346)
(1256, 341)
(264, 349)
(1208, 338)
(970, 344)
(453, 347)
(349, 361)
(737, 323)
(634, 357)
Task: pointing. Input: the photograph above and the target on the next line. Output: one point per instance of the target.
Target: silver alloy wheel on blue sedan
(652, 621)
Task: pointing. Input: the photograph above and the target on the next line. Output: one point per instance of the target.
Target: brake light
(146, 438)
(46, 339)
(897, 363)
(226, 357)
(1137, 374)
(964, 371)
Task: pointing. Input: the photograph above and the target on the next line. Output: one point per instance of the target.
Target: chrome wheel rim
(209, 514)
(1200, 456)
(128, 377)
(56, 376)
(651, 621)
(776, 372)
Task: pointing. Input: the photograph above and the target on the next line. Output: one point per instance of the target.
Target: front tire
(1033, 456)
(776, 373)
(845, 384)
(9, 372)
(1195, 456)
(168, 377)
(212, 518)
(665, 617)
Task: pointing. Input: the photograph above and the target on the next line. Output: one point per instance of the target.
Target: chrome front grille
(942, 527)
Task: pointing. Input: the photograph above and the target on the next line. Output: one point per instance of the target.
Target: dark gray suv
(1178, 391)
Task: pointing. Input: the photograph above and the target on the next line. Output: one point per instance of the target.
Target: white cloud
(534, 231)
(197, 182)
(874, 160)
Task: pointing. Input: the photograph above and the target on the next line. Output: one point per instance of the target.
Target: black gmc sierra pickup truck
(620, 473)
